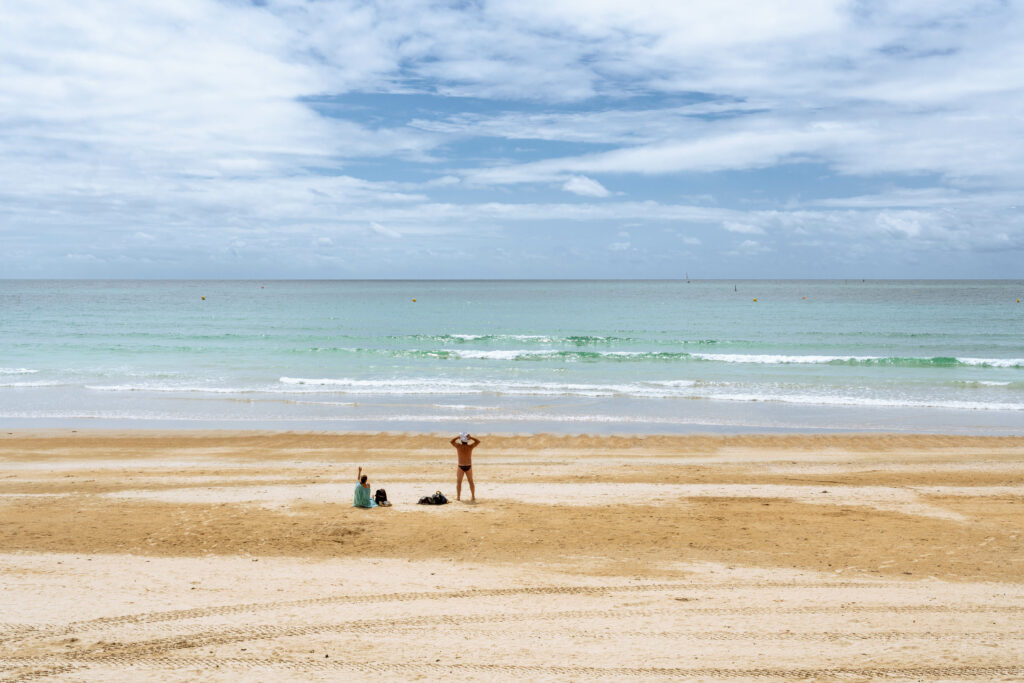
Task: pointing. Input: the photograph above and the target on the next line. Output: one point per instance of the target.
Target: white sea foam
(777, 359)
(462, 406)
(17, 371)
(994, 362)
(183, 388)
(399, 387)
(655, 389)
(517, 337)
(858, 401)
(783, 359)
(447, 386)
(752, 358)
(520, 354)
(469, 354)
(343, 404)
(661, 355)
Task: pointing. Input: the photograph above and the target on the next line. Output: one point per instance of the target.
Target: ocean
(515, 356)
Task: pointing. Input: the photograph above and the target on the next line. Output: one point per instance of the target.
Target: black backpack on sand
(436, 499)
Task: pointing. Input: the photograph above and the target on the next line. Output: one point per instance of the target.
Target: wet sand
(220, 555)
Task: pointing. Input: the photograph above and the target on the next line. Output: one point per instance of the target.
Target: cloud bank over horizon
(342, 139)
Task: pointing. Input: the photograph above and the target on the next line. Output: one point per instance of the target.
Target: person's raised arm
(474, 442)
(454, 439)
(359, 476)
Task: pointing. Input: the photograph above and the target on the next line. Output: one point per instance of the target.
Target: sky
(511, 139)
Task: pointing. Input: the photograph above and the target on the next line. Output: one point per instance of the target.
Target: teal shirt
(362, 499)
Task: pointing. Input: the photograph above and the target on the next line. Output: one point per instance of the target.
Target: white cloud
(387, 232)
(444, 181)
(584, 186)
(743, 228)
(751, 248)
(902, 225)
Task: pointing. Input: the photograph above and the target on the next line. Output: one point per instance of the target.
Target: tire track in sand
(154, 650)
(158, 646)
(227, 610)
(19, 631)
(21, 674)
(538, 672)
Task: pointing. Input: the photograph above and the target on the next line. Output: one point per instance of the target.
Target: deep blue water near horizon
(629, 356)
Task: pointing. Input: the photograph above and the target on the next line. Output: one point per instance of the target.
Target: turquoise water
(524, 356)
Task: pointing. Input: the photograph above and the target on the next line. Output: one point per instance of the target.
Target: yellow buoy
(203, 298)
(414, 300)
(755, 299)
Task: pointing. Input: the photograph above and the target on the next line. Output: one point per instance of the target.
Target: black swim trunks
(465, 468)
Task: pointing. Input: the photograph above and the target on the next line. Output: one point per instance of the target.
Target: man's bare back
(464, 445)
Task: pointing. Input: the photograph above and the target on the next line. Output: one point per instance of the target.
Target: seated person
(362, 497)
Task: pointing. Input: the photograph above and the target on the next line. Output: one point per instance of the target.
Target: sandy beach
(225, 555)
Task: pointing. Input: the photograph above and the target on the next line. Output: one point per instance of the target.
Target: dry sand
(227, 556)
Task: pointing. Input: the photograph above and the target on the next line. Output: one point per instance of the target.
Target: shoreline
(680, 430)
(119, 432)
(559, 415)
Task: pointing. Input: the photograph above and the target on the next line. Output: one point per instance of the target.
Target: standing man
(464, 445)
